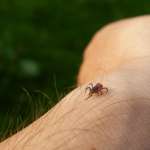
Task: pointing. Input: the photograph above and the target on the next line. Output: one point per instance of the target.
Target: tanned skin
(118, 119)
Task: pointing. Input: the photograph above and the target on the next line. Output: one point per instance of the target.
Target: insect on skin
(96, 89)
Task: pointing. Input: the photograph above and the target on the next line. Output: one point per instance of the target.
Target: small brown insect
(96, 89)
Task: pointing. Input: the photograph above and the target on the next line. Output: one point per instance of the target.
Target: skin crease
(117, 120)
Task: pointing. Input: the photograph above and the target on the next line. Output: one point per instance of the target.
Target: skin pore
(119, 119)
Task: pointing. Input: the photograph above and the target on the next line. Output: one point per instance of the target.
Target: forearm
(118, 119)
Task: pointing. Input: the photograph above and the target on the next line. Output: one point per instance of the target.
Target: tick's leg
(88, 88)
(100, 92)
(91, 84)
(97, 94)
(105, 88)
(89, 96)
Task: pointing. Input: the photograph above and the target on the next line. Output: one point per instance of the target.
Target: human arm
(118, 119)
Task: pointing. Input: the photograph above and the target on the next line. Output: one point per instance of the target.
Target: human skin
(118, 119)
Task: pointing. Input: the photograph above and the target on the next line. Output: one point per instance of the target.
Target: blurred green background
(43, 38)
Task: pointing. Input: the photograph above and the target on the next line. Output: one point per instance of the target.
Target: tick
(96, 89)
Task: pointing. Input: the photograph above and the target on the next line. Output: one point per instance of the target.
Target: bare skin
(119, 118)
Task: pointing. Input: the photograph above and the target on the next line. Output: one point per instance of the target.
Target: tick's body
(96, 89)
